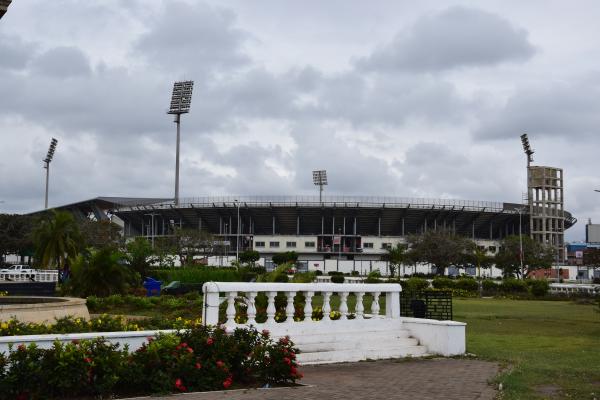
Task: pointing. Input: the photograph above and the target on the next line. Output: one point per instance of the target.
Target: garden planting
(196, 359)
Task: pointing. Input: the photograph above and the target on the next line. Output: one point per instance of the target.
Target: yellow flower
(4, 325)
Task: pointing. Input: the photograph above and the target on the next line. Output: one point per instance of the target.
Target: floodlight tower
(181, 99)
(527, 149)
(47, 162)
(320, 180)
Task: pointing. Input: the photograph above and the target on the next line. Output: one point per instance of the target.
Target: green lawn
(548, 348)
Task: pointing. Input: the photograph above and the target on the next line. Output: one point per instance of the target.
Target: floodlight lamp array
(51, 150)
(181, 99)
(526, 147)
(320, 177)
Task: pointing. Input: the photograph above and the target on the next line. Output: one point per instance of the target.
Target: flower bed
(103, 323)
(197, 359)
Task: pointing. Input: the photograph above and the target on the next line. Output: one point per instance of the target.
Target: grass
(551, 349)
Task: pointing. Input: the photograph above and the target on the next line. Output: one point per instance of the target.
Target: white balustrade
(360, 291)
(38, 276)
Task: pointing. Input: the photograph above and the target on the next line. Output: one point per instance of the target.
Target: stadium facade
(337, 229)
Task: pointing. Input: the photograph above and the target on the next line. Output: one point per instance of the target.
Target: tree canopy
(57, 238)
(440, 248)
(535, 256)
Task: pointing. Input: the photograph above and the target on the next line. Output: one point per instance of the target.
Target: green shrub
(337, 278)
(513, 286)
(281, 278)
(489, 286)
(198, 275)
(539, 287)
(467, 284)
(415, 284)
(201, 358)
(319, 272)
(354, 272)
(442, 283)
(332, 273)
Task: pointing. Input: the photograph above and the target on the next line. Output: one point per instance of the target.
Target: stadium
(340, 232)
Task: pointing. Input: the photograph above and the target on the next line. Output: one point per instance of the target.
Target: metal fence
(431, 304)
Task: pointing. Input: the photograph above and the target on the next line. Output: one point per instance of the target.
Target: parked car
(178, 288)
(18, 269)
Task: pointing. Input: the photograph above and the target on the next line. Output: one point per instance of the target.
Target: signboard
(579, 254)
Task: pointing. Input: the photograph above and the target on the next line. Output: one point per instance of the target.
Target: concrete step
(353, 336)
(362, 344)
(324, 357)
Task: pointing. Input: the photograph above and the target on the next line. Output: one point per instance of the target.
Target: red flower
(179, 385)
(287, 361)
(209, 341)
(198, 365)
(21, 347)
(190, 350)
(184, 344)
(293, 371)
(265, 333)
(75, 341)
(227, 382)
(87, 360)
(220, 364)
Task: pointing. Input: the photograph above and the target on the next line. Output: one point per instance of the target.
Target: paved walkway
(449, 379)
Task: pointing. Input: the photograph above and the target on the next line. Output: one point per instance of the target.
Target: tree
(284, 258)
(591, 258)
(16, 235)
(139, 253)
(396, 256)
(249, 257)
(535, 256)
(442, 249)
(479, 257)
(100, 234)
(187, 243)
(101, 272)
(57, 239)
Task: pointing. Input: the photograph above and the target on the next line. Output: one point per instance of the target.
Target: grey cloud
(14, 52)
(567, 109)
(62, 62)
(188, 38)
(453, 38)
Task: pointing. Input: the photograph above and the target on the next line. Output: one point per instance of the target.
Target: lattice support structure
(545, 187)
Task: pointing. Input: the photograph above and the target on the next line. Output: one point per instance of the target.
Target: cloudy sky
(398, 98)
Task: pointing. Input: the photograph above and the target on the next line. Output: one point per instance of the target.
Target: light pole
(520, 210)
(237, 238)
(320, 180)
(181, 99)
(152, 228)
(47, 162)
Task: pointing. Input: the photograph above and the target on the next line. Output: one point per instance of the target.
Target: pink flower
(209, 341)
(265, 333)
(87, 360)
(21, 347)
(220, 364)
(198, 365)
(179, 385)
(227, 382)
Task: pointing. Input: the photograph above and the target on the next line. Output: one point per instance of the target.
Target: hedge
(197, 359)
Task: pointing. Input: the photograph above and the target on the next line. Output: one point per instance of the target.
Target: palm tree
(396, 256)
(481, 259)
(57, 239)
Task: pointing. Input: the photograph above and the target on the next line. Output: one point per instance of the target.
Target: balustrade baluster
(344, 305)
(289, 309)
(326, 306)
(271, 307)
(251, 308)
(230, 312)
(308, 306)
(375, 305)
(360, 308)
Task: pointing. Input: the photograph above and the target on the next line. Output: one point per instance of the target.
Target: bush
(443, 283)
(281, 278)
(354, 272)
(198, 275)
(489, 286)
(201, 358)
(337, 278)
(332, 273)
(318, 272)
(416, 284)
(539, 287)
(513, 286)
(284, 258)
(467, 284)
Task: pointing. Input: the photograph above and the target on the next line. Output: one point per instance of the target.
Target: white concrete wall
(299, 240)
(440, 337)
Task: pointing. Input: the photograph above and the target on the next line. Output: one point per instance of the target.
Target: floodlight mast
(527, 149)
(320, 180)
(47, 161)
(181, 99)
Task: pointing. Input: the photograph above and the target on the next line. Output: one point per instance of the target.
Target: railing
(212, 301)
(308, 201)
(38, 276)
(574, 288)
